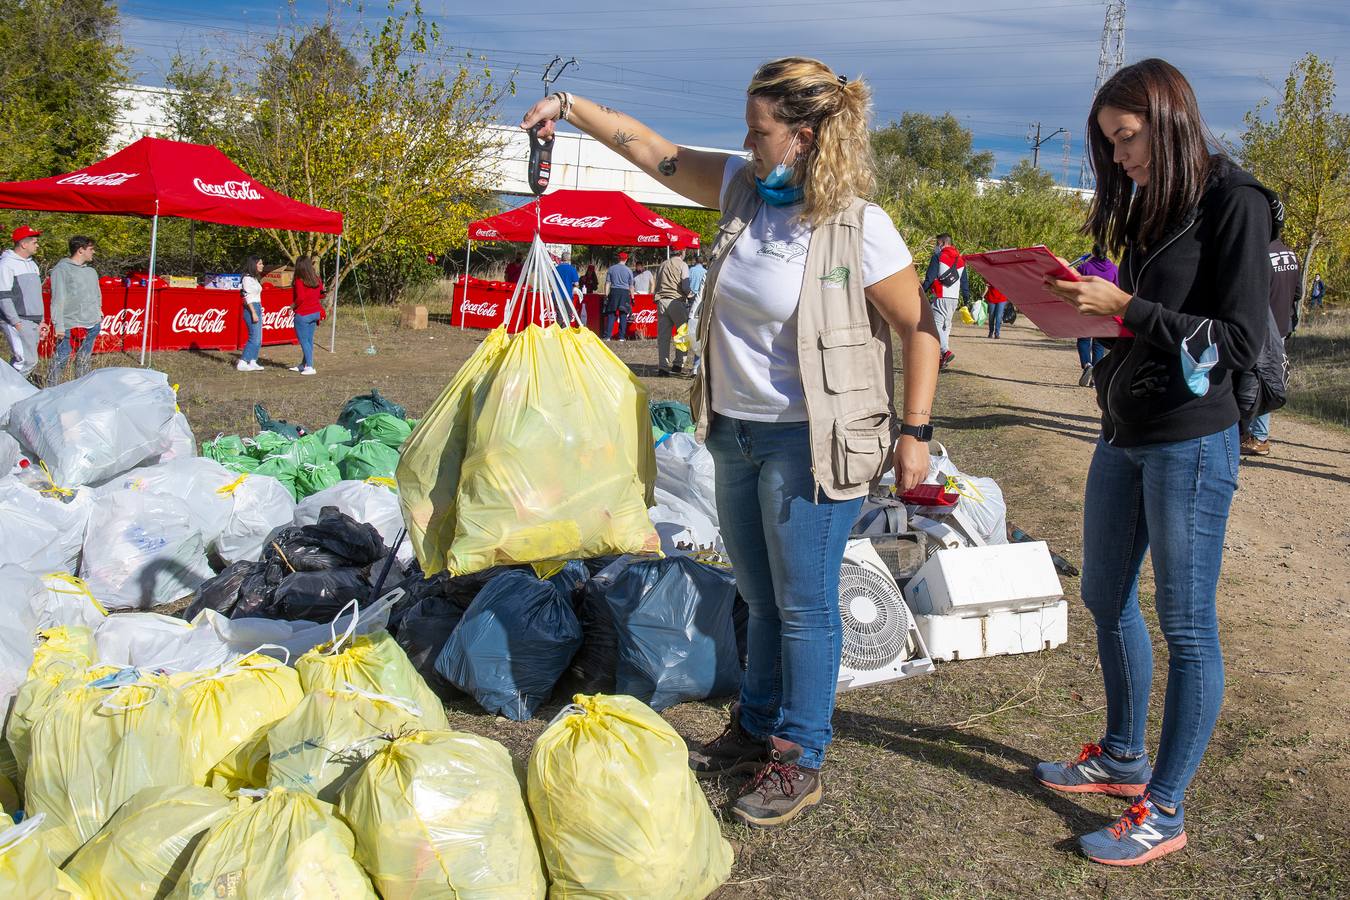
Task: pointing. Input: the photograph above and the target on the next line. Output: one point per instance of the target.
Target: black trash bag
(513, 644)
(592, 670)
(571, 580)
(279, 426)
(363, 405)
(222, 592)
(676, 636)
(255, 593)
(318, 596)
(335, 541)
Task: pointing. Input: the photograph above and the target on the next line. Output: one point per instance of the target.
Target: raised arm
(696, 174)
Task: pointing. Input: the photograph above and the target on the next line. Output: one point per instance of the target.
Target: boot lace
(1133, 817)
(785, 775)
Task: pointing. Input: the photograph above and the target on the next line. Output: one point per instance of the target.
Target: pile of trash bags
(362, 445)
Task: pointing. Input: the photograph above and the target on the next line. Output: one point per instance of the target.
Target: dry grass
(1319, 354)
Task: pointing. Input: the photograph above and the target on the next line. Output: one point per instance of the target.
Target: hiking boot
(1252, 447)
(1143, 834)
(1085, 380)
(732, 752)
(781, 790)
(1096, 772)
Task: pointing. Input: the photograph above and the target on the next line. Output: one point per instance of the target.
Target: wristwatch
(922, 433)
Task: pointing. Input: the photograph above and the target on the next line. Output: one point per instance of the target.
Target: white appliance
(880, 640)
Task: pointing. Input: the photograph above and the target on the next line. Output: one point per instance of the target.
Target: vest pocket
(860, 445)
(847, 359)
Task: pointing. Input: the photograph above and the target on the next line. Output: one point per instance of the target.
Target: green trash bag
(224, 445)
(265, 444)
(308, 450)
(671, 416)
(314, 478)
(337, 453)
(282, 469)
(280, 426)
(363, 405)
(240, 463)
(385, 428)
(333, 435)
(367, 459)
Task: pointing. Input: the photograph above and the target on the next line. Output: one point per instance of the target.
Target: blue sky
(998, 66)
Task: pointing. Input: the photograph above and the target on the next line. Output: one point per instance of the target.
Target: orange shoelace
(1135, 815)
(1088, 751)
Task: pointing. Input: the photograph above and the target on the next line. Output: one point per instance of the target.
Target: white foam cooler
(989, 601)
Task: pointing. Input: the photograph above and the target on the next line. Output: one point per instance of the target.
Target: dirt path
(1285, 593)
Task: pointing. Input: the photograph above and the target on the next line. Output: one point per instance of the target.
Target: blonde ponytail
(807, 93)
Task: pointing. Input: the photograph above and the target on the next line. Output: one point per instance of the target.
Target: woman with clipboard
(1194, 286)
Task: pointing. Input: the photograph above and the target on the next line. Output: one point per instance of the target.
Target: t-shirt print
(787, 251)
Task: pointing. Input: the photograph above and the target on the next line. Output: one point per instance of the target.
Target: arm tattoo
(609, 109)
(667, 166)
(916, 412)
(623, 138)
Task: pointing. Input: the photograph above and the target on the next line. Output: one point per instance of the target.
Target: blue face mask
(1197, 371)
(778, 189)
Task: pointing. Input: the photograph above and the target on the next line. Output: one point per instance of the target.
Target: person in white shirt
(799, 422)
(251, 292)
(643, 279)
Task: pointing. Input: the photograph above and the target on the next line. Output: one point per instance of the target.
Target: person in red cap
(21, 299)
(618, 297)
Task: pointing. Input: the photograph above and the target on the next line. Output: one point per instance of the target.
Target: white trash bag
(41, 533)
(684, 468)
(98, 426)
(203, 484)
(261, 503)
(142, 549)
(981, 508)
(152, 641)
(182, 442)
(9, 453)
(21, 594)
(373, 504)
(683, 528)
(13, 388)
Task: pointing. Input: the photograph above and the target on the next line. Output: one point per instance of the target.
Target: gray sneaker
(781, 790)
(734, 751)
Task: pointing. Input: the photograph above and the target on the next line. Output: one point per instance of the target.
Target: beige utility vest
(844, 349)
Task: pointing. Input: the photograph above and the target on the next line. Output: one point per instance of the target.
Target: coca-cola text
(483, 308)
(581, 222)
(108, 179)
(230, 190)
(208, 321)
(280, 318)
(643, 317)
(124, 322)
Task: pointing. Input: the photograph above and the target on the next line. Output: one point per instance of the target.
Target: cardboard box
(978, 580)
(282, 278)
(183, 281)
(414, 317)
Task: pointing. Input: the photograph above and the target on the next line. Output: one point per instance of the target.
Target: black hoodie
(1205, 283)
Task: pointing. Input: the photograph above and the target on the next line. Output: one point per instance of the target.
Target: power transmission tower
(1110, 58)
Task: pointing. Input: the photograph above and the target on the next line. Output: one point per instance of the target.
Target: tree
(1024, 178)
(924, 147)
(59, 65)
(1303, 154)
(373, 125)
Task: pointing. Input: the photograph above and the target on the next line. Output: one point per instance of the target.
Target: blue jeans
(1261, 427)
(252, 321)
(83, 356)
(1174, 497)
(618, 304)
(1090, 351)
(786, 545)
(996, 318)
(304, 331)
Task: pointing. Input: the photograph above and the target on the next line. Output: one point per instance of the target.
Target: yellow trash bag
(57, 675)
(98, 745)
(557, 462)
(371, 662)
(226, 706)
(439, 814)
(285, 846)
(682, 338)
(72, 645)
(617, 809)
(26, 869)
(964, 317)
(330, 735)
(145, 846)
(244, 767)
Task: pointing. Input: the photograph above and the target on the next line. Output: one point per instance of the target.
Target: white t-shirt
(753, 343)
(252, 290)
(643, 282)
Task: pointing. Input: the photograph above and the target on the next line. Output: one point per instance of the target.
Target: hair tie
(843, 80)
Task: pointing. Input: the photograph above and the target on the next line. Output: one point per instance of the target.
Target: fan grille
(875, 618)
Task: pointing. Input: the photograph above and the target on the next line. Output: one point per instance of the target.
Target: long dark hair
(251, 266)
(304, 271)
(1180, 149)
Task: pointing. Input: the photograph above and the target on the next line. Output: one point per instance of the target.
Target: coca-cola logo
(582, 222)
(661, 223)
(480, 309)
(281, 318)
(486, 233)
(208, 321)
(649, 238)
(643, 317)
(108, 179)
(230, 190)
(125, 322)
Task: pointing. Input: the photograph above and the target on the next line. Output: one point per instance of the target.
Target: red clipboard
(1020, 274)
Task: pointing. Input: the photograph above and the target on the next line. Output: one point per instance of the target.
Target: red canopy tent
(155, 177)
(601, 218)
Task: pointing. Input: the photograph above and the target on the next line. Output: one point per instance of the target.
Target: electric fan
(880, 640)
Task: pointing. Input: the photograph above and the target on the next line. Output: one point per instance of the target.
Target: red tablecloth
(484, 306)
(184, 319)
